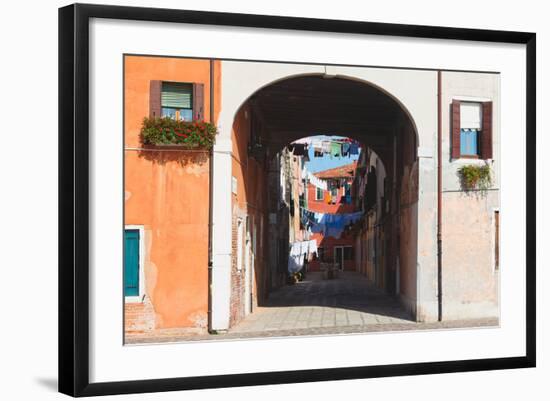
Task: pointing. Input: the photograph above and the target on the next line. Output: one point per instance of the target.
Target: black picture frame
(74, 198)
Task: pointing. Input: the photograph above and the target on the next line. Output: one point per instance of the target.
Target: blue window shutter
(131, 262)
(473, 141)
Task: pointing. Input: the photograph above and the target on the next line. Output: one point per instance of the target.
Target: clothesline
(333, 147)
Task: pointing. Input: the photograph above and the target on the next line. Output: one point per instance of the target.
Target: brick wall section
(237, 278)
(139, 317)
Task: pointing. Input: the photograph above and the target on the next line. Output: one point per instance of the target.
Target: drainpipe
(439, 189)
(210, 204)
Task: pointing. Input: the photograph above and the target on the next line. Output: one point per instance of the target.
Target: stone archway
(295, 100)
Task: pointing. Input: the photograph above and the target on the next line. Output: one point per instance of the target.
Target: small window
(318, 194)
(348, 253)
(177, 101)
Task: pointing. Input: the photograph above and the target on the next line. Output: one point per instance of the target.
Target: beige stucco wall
(470, 281)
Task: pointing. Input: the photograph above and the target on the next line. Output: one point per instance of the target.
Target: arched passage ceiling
(311, 105)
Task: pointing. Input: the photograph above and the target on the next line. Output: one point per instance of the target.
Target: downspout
(210, 202)
(439, 189)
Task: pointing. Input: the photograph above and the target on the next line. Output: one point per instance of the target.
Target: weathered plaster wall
(470, 282)
(167, 192)
(408, 227)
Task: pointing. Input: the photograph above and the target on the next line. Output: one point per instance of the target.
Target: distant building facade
(336, 199)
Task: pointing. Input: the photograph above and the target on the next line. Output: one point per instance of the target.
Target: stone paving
(349, 300)
(345, 305)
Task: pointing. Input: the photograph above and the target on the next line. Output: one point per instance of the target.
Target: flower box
(166, 132)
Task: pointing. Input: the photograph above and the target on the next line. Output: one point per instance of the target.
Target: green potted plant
(473, 176)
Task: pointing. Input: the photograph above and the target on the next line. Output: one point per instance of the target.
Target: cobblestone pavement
(348, 304)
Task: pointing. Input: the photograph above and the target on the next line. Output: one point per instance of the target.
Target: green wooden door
(131, 262)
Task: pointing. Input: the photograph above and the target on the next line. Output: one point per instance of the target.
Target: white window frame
(141, 296)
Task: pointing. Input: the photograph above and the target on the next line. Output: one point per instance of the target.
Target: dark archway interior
(311, 105)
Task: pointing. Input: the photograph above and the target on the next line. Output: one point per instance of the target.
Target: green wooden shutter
(177, 95)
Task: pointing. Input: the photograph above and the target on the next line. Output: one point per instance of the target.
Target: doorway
(339, 257)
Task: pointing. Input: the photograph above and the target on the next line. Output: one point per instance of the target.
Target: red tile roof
(347, 170)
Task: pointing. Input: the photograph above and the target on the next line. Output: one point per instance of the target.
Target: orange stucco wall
(167, 191)
(322, 206)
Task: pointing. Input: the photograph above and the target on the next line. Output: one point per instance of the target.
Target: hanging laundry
(300, 251)
(326, 146)
(317, 182)
(295, 263)
(345, 149)
(335, 149)
(317, 144)
(307, 141)
(334, 224)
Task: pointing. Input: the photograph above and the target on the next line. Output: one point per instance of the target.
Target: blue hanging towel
(345, 149)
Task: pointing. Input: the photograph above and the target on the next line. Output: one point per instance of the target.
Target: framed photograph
(250, 199)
